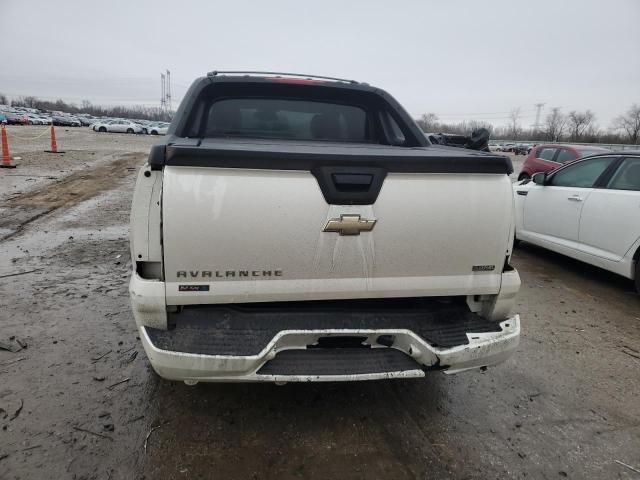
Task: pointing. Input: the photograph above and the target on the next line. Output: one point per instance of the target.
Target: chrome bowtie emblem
(349, 225)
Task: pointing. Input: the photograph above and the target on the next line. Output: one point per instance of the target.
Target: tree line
(575, 126)
(138, 112)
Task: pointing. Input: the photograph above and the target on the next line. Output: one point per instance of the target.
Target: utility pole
(536, 126)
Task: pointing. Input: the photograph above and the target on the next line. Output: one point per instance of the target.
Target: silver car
(118, 126)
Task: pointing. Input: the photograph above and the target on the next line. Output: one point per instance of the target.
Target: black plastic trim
(337, 193)
(157, 156)
(308, 156)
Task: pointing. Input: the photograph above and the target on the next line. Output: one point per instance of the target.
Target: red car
(543, 158)
(16, 119)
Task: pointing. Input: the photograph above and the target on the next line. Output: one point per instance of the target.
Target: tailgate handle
(349, 185)
(352, 182)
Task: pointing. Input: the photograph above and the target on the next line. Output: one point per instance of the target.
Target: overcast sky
(462, 59)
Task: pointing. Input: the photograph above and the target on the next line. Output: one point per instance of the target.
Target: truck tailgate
(233, 235)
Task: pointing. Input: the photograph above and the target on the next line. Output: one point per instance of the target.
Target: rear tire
(102, 129)
(129, 130)
(637, 281)
(153, 132)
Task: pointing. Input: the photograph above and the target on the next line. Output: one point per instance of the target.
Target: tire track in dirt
(72, 190)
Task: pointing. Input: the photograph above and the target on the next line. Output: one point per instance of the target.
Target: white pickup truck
(302, 228)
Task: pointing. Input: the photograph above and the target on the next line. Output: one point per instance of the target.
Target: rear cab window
(273, 110)
(287, 119)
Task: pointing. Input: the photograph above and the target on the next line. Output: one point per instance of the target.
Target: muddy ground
(80, 401)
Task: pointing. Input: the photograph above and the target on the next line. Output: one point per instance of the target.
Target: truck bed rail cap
(269, 155)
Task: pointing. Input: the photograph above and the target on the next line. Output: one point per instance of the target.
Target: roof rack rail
(277, 74)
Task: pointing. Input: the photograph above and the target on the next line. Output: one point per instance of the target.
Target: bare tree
(580, 123)
(629, 123)
(555, 123)
(428, 122)
(3, 99)
(514, 123)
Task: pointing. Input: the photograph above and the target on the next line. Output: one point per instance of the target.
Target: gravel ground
(80, 400)
(83, 149)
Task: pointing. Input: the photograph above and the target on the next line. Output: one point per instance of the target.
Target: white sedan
(589, 210)
(158, 129)
(35, 120)
(118, 126)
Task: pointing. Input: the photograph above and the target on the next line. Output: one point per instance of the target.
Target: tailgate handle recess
(352, 182)
(349, 185)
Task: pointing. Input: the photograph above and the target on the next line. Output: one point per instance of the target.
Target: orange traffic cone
(54, 145)
(6, 159)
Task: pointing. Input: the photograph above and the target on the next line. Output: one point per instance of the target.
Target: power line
(476, 114)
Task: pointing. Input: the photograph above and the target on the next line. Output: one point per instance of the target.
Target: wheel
(153, 132)
(638, 273)
(102, 129)
(523, 176)
(129, 130)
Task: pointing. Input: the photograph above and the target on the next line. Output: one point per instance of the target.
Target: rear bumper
(286, 357)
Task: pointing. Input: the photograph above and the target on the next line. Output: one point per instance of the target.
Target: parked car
(544, 158)
(84, 121)
(59, 120)
(158, 129)
(118, 126)
(522, 149)
(586, 209)
(35, 120)
(507, 147)
(97, 122)
(16, 118)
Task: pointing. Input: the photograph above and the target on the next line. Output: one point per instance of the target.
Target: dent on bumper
(483, 349)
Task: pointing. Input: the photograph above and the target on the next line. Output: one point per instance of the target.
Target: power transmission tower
(168, 90)
(163, 99)
(536, 126)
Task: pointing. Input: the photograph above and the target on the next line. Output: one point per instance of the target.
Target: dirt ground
(78, 399)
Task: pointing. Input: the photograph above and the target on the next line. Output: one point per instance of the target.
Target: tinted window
(582, 174)
(546, 153)
(627, 177)
(286, 119)
(585, 152)
(565, 156)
